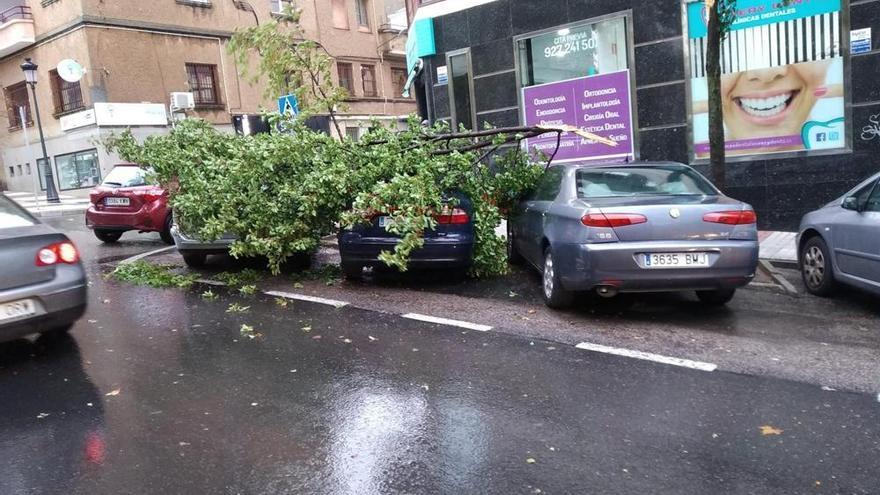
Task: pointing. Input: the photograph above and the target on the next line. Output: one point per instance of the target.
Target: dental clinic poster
(782, 85)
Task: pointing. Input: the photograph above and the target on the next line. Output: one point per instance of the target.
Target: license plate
(385, 222)
(116, 202)
(17, 309)
(676, 260)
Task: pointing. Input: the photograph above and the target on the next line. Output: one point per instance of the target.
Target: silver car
(42, 282)
(840, 242)
(637, 227)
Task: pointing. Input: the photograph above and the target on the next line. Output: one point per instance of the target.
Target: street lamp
(30, 76)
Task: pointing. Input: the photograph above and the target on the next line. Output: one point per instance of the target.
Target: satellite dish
(70, 70)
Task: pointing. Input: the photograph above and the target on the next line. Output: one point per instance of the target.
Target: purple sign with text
(597, 104)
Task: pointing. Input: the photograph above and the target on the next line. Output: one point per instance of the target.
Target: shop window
(66, 95)
(362, 13)
(368, 80)
(78, 170)
(346, 81)
(340, 14)
(399, 77)
(461, 91)
(585, 50)
(202, 80)
(17, 97)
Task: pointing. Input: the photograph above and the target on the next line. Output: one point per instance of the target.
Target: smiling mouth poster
(782, 86)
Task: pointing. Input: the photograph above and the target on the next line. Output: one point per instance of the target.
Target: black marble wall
(781, 190)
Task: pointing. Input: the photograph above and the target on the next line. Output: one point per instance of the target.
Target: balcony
(16, 29)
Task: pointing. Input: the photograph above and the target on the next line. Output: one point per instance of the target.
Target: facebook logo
(821, 137)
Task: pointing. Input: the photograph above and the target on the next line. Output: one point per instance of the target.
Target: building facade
(799, 87)
(135, 54)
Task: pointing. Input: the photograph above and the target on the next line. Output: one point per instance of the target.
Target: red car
(127, 201)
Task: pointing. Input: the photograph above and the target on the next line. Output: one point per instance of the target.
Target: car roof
(640, 164)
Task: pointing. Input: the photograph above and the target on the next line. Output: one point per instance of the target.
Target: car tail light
(62, 252)
(738, 217)
(151, 195)
(452, 216)
(612, 220)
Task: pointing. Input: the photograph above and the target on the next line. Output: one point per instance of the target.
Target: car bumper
(190, 244)
(123, 221)
(451, 251)
(587, 266)
(60, 302)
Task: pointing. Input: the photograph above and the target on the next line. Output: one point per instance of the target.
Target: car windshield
(12, 216)
(641, 181)
(126, 176)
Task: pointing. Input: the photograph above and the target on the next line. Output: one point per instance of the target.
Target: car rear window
(126, 176)
(12, 215)
(641, 181)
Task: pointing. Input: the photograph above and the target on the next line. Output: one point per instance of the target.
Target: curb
(777, 276)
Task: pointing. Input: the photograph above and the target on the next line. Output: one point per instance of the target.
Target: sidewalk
(77, 201)
(779, 247)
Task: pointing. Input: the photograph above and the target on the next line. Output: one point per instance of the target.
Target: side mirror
(851, 203)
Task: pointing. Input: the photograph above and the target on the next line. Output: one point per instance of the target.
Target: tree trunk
(716, 119)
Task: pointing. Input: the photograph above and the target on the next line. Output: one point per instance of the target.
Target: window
(461, 95)
(363, 16)
(340, 14)
(27, 168)
(42, 167)
(17, 97)
(203, 83)
(399, 77)
(647, 181)
(277, 6)
(873, 203)
(11, 171)
(353, 133)
(78, 170)
(346, 80)
(368, 80)
(549, 185)
(20, 170)
(126, 176)
(12, 215)
(67, 95)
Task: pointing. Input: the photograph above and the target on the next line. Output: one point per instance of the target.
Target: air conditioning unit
(182, 101)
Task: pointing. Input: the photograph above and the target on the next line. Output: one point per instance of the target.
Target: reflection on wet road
(159, 391)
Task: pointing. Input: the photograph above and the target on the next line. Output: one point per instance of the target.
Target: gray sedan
(42, 282)
(840, 242)
(637, 227)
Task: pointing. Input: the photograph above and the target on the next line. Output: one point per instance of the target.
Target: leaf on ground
(530, 460)
(297, 285)
(767, 430)
(307, 329)
(316, 337)
(347, 341)
(281, 302)
(42, 415)
(372, 339)
(512, 294)
(532, 311)
(112, 392)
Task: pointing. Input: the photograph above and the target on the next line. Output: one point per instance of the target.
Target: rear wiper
(112, 183)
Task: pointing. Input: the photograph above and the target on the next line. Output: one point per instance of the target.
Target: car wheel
(816, 268)
(513, 256)
(352, 271)
(194, 260)
(718, 297)
(165, 234)
(108, 236)
(555, 296)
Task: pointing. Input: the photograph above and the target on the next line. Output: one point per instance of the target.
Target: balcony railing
(17, 12)
(16, 29)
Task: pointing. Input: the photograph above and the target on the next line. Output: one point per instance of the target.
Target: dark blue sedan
(450, 246)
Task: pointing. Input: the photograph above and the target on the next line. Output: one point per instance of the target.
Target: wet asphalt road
(158, 391)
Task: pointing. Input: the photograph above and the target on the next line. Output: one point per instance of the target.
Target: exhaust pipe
(607, 291)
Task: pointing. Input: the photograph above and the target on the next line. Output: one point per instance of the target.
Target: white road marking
(446, 321)
(303, 297)
(144, 255)
(647, 356)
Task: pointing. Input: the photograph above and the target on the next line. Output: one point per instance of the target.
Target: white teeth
(765, 107)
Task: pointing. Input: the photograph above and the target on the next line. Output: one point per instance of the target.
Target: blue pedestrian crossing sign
(288, 104)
